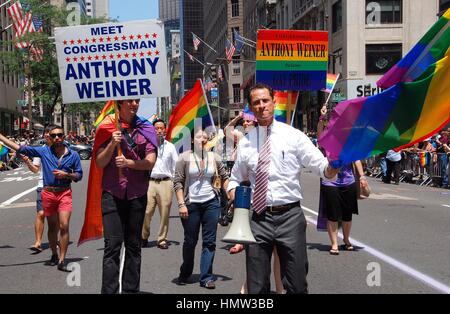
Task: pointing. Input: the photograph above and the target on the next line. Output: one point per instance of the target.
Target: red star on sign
(154, 35)
(124, 37)
(101, 39)
(116, 38)
(68, 59)
(72, 42)
(157, 52)
(126, 55)
(79, 41)
(75, 59)
(111, 56)
(104, 57)
(82, 58)
(147, 36)
(139, 36)
(131, 37)
(119, 56)
(142, 54)
(108, 39)
(65, 42)
(94, 40)
(89, 58)
(149, 53)
(86, 41)
(97, 57)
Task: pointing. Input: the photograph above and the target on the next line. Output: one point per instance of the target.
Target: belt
(157, 180)
(282, 208)
(56, 189)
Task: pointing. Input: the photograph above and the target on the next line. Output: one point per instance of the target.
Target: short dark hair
(259, 86)
(159, 121)
(54, 127)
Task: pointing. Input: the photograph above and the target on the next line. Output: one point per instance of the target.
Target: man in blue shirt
(60, 166)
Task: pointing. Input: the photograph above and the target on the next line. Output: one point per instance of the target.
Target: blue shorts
(39, 200)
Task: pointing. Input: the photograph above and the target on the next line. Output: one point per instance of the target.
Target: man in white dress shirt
(160, 188)
(271, 156)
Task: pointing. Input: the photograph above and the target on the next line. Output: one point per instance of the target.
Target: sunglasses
(54, 135)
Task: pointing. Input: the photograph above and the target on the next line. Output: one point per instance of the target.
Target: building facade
(97, 8)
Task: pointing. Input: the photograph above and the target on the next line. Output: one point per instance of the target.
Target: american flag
(24, 22)
(190, 56)
(229, 50)
(196, 41)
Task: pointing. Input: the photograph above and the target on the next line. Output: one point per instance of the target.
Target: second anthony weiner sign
(112, 61)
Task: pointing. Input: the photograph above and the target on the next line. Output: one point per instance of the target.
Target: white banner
(112, 61)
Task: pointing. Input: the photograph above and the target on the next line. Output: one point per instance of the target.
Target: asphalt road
(401, 236)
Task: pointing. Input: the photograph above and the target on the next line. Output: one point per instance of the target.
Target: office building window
(234, 8)
(236, 65)
(384, 11)
(337, 16)
(380, 58)
(236, 93)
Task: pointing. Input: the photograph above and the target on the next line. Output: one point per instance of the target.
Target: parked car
(84, 150)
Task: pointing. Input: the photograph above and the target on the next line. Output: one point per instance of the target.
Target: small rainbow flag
(400, 116)
(331, 81)
(3, 150)
(193, 106)
(430, 48)
(107, 110)
(284, 105)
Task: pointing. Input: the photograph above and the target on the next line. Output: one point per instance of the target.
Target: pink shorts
(55, 202)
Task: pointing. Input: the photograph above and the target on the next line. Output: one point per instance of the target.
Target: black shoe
(182, 281)
(209, 285)
(53, 260)
(144, 243)
(62, 266)
(163, 246)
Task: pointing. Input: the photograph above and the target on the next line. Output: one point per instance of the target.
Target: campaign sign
(112, 61)
(292, 59)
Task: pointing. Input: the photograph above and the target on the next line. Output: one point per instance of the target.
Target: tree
(46, 85)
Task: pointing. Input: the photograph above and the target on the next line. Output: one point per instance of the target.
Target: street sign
(337, 97)
(214, 92)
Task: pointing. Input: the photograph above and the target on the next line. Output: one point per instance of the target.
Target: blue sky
(128, 10)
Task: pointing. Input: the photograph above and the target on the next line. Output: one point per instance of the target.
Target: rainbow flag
(430, 48)
(192, 107)
(331, 81)
(107, 110)
(292, 59)
(3, 150)
(402, 115)
(284, 106)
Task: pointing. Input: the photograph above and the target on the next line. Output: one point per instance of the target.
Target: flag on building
(181, 122)
(238, 41)
(430, 48)
(402, 115)
(196, 41)
(107, 110)
(24, 22)
(229, 50)
(284, 105)
(191, 57)
(331, 82)
(219, 73)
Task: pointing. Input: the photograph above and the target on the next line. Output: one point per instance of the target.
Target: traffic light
(214, 74)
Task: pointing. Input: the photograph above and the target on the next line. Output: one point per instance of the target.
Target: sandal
(334, 251)
(349, 247)
(36, 249)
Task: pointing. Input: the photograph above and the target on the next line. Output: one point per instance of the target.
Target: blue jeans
(444, 174)
(205, 215)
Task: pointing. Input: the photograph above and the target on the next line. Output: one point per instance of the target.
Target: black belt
(282, 208)
(160, 179)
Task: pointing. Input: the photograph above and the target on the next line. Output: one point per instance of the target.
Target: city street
(401, 238)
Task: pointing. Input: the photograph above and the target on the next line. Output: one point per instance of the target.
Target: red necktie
(262, 178)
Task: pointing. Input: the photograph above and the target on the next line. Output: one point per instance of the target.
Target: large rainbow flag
(107, 110)
(430, 48)
(3, 150)
(402, 115)
(193, 106)
(284, 105)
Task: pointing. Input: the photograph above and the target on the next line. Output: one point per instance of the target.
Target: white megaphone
(240, 231)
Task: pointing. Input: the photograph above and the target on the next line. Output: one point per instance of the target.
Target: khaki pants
(159, 193)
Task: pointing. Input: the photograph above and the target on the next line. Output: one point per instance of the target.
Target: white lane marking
(445, 205)
(393, 262)
(16, 197)
(122, 263)
(19, 205)
(386, 196)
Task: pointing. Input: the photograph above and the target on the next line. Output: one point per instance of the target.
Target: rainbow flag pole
(332, 88)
